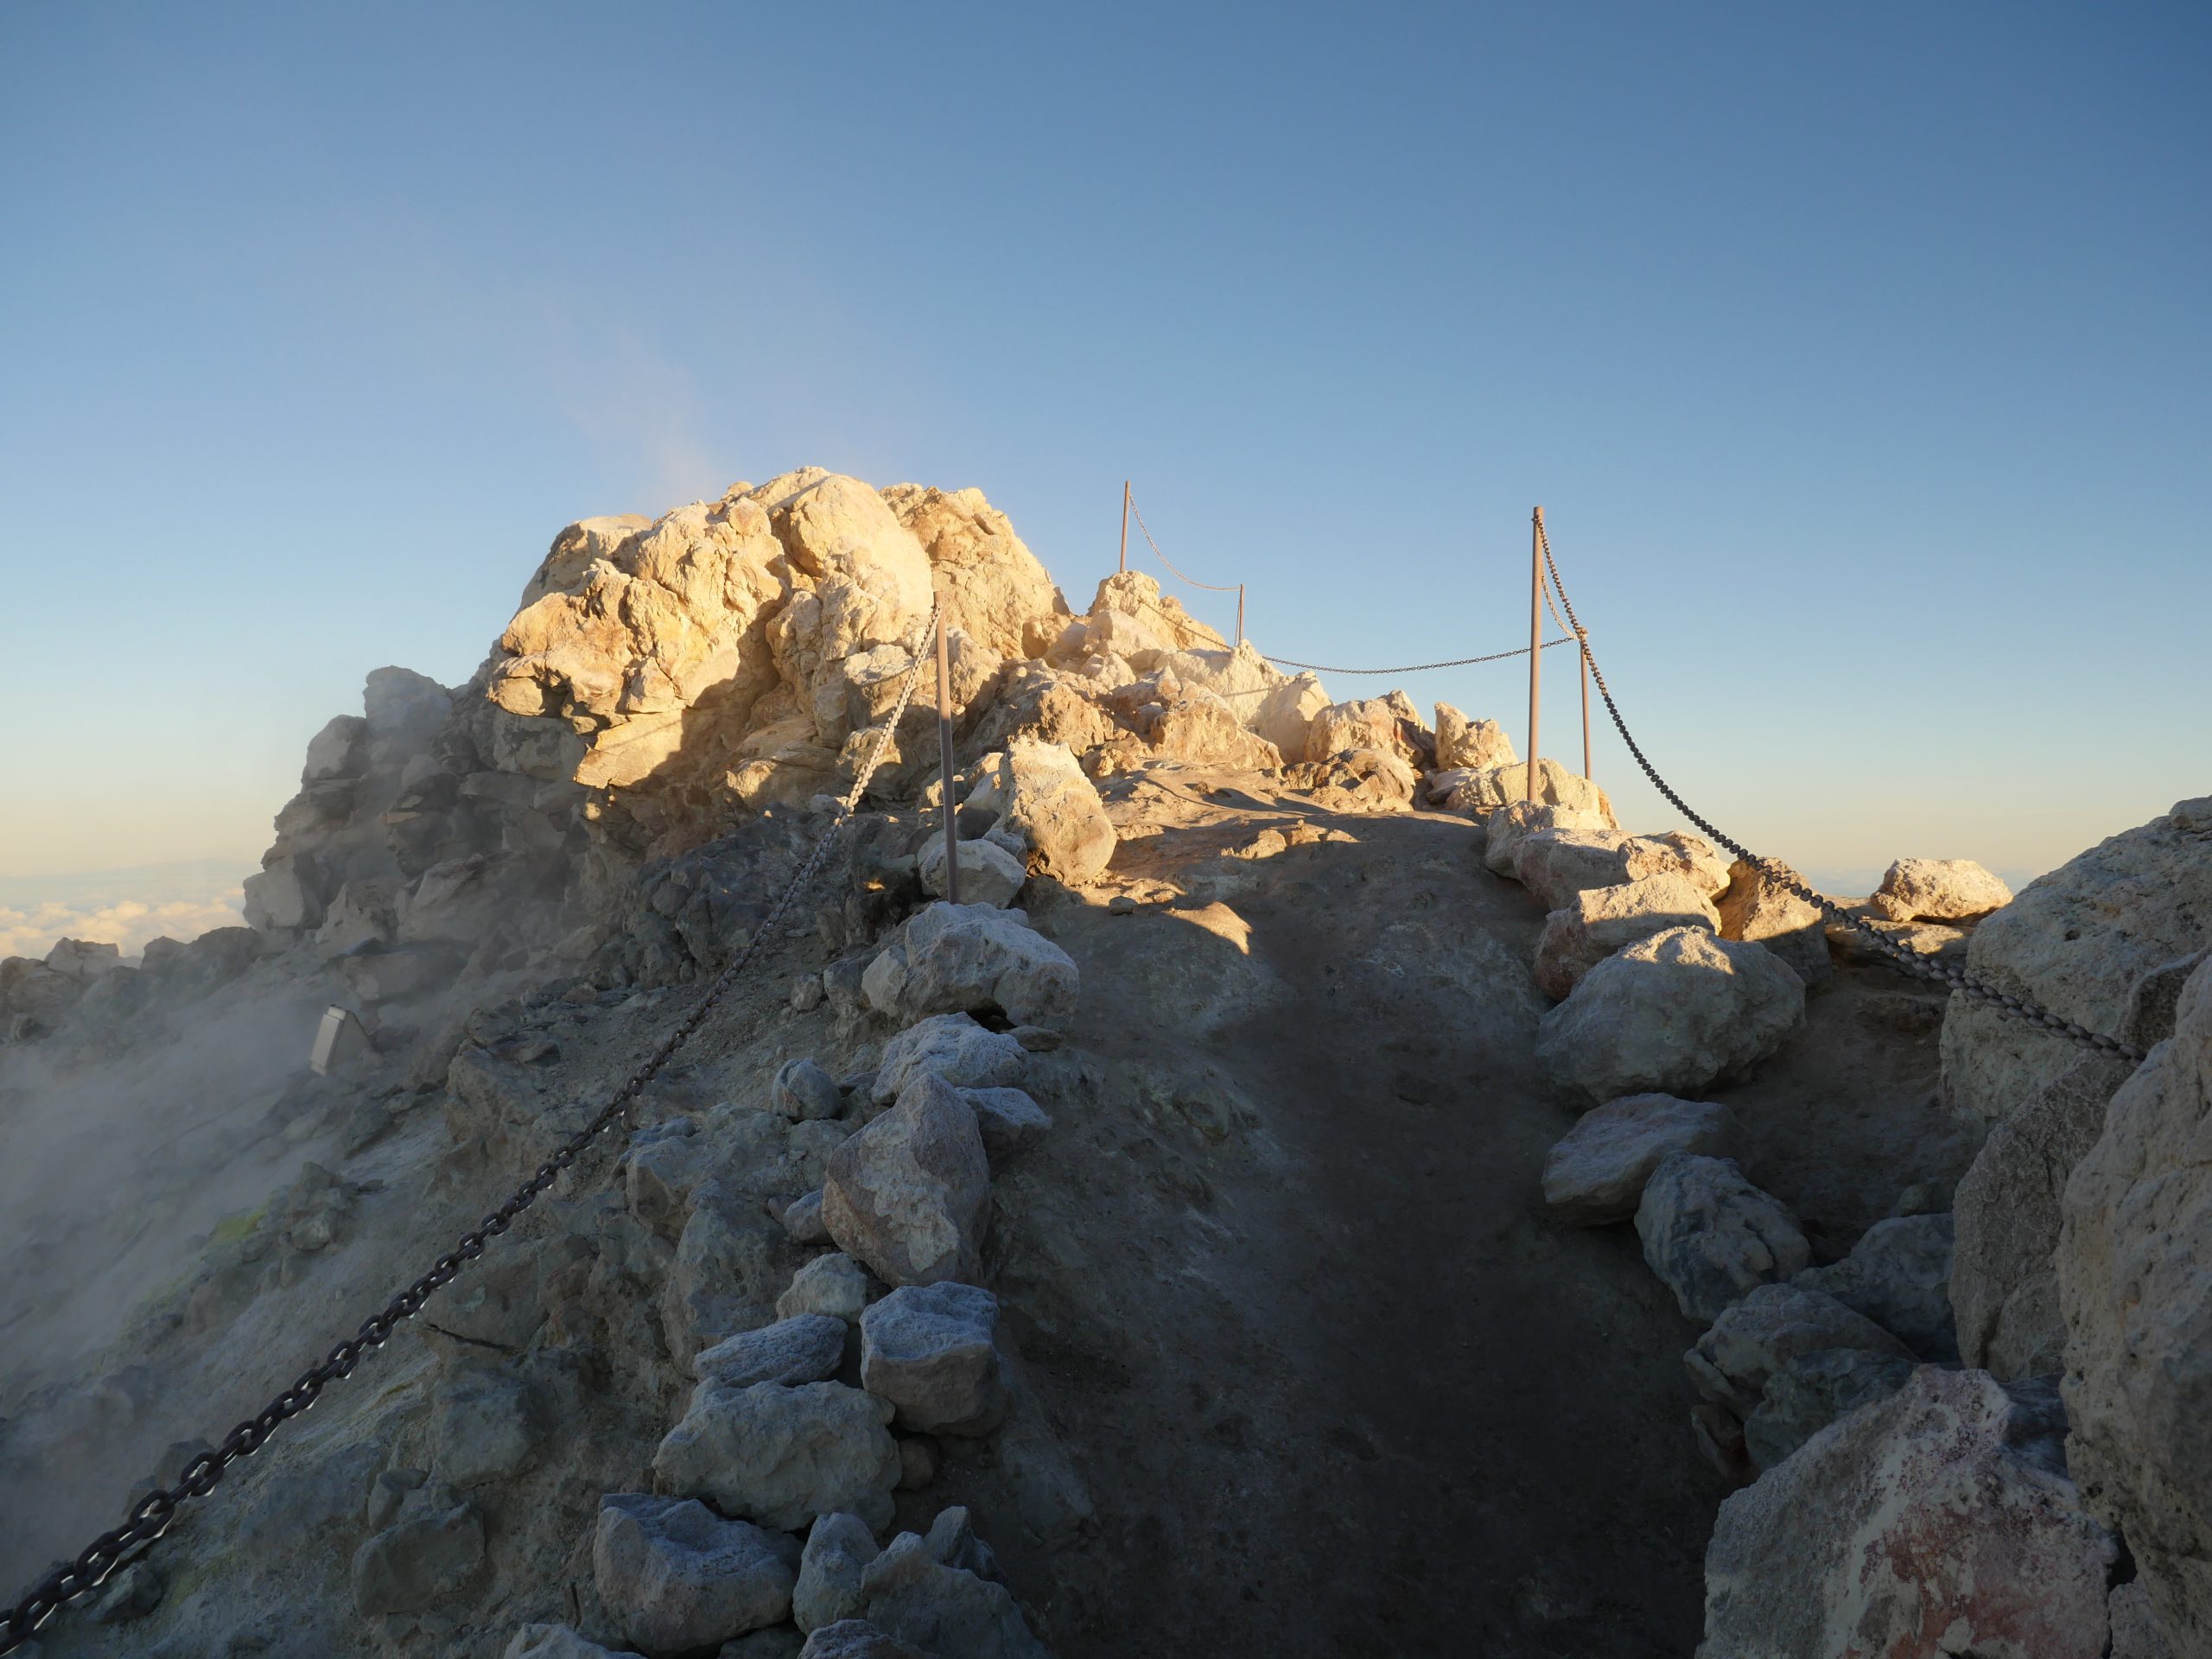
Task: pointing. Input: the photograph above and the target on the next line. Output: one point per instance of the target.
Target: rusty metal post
(1582, 645)
(944, 763)
(1536, 636)
(1125, 523)
(1240, 613)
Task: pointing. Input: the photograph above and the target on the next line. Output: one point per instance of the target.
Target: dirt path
(1363, 1398)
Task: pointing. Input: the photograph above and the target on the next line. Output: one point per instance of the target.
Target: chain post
(1535, 638)
(1125, 526)
(1583, 642)
(944, 763)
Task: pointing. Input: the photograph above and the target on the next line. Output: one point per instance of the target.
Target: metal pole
(944, 763)
(1240, 613)
(1583, 643)
(1125, 523)
(1535, 636)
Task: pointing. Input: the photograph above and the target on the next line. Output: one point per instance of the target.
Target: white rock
(1672, 1014)
(988, 874)
(1477, 745)
(973, 957)
(834, 1286)
(910, 1195)
(801, 1348)
(1510, 824)
(1712, 1237)
(1596, 1174)
(1554, 865)
(951, 1046)
(782, 1456)
(1597, 921)
(1910, 1527)
(1492, 787)
(1937, 890)
(1050, 815)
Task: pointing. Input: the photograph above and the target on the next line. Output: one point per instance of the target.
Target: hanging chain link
(1417, 668)
(1782, 876)
(152, 1516)
(1211, 587)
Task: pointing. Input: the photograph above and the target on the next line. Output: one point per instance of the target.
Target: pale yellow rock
(994, 589)
(1475, 743)
(1937, 890)
(1597, 921)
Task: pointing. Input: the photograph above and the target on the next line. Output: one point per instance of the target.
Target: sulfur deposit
(1308, 1196)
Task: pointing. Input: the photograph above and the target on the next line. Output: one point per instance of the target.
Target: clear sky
(1858, 356)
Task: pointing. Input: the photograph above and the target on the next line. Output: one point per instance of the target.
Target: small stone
(131, 1593)
(1038, 1039)
(802, 1219)
(1009, 1121)
(834, 1284)
(930, 1351)
(805, 1348)
(919, 1458)
(673, 1574)
(807, 993)
(804, 1090)
(1120, 904)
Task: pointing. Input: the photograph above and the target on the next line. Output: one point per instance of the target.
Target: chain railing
(1782, 876)
(152, 1515)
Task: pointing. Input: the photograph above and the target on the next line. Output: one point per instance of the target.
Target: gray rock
(673, 1574)
(805, 1348)
(929, 1349)
(802, 1220)
(782, 1456)
(1811, 1390)
(1899, 1275)
(834, 1285)
(129, 1594)
(918, 1462)
(1673, 1014)
(553, 1642)
(1910, 1519)
(413, 1562)
(1712, 1237)
(483, 1426)
(803, 1090)
(854, 1638)
(988, 874)
(778, 1644)
(1596, 1174)
(973, 957)
(907, 1593)
(910, 1195)
(2135, 1285)
(1009, 1121)
(1772, 1325)
(2138, 1632)
(954, 1047)
(838, 1550)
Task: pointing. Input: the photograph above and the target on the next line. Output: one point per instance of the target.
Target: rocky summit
(1323, 1185)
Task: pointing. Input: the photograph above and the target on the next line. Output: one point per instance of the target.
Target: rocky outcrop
(1672, 1014)
(1937, 890)
(2136, 1290)
(2076, 940)
(1919, 1525)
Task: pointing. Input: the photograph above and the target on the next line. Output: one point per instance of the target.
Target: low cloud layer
(120, 907)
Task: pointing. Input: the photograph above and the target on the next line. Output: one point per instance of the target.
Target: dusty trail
(1383, 1405)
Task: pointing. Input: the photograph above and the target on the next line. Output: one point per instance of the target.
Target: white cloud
(32, 931)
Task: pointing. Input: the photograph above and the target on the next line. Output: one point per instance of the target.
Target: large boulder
(2004, 1282)
(910, 1195)
(929, 1349)
(1774, 1324)
(988, 874)
(912, 1592)
(973, 958)
(1554, 865)
(672, 1574)
(838, 1549)
(1899, 1275)
(2076, 940)
(1712, 1237)
(1488, 788)
(1937, 890)
(1385, 723)
(781, 1456)
(1596, 1174)
(1671, 1014)
(1599, 921)
(1509, 825)
(1677, 853)
(1913, 1525)
(2135, 1284)
(1048, 814)
(1755, 906)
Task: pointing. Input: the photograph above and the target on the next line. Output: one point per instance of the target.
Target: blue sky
(1858, 355)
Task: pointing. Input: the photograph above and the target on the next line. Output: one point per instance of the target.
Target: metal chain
(1782, 876)
(1211, 587)
(1418, 667)
(152, 1516)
